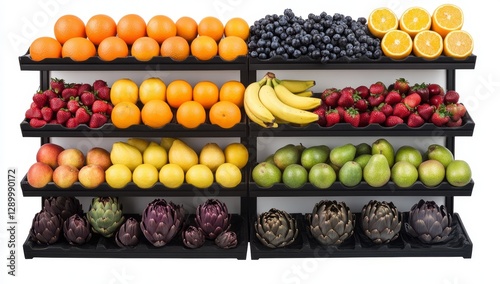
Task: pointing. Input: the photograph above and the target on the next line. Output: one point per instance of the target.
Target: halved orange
(381, 21)
(415, 20)
(428, 44)
(397, 44)
(458, 44)
(447, 18)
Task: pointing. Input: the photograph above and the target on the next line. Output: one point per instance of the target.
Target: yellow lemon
(171, 175)
(118, 176)
(145, 175)
(236, 154)
(228, 175)
(200, 176)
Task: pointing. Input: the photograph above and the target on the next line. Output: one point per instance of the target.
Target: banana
(289, 98)
(255, 119)
(283, 111)
(254, 105)
(297, 86)
(305, 94)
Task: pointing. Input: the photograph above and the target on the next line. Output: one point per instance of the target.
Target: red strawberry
(57, 104)
(71, 123)
(332, 117)
(82, 115)
(351, 115)
(73, 105)
(422, 91)
(451, 97)
(393, 121)
(50, 94)
(436, 100)
(97, 120)
(360, 104)
(37, 123)
(457, 123)
(62, 116)
(99, 83)
(377, 116)
(346, 99)
(401, 110)
(40, 99)
(393, 97)
(67, 93)
(341, 112)
(412, 100)
(363, 91)
(87, 98)
(320, 111)
(387, 109)
(402, 86)
(435, 89)
(376, 100)
(32, 113)
(330, 97)
(452, 109)
(103, 93)
(100, 106)
(425, 111)
(461, 110)
(110, 109)
(47, 113)
(377, 88)
(364, 119)
(57, 85)
(75, 86)
(53, 121)
(84, 88)
(415, 120)
(440, 117)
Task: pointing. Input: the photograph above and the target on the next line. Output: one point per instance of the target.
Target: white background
(23, 21)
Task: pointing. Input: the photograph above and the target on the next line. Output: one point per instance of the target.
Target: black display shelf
(459, 245)
(362, 189)
(100, 247)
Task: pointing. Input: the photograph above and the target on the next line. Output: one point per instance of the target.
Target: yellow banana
(297, 86)
(253, 103)
(255, 119)
(305, 94)
(289, 98)
(283, 111)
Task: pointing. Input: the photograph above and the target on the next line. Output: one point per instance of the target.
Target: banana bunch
(271, 101)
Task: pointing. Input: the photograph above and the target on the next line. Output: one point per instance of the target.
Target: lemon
(200, 176)
(118, 175)
(171, 175)
(228, 175)
(138, 143)
(155, 155)
(145, 175)
(236, 154)
(212, 156)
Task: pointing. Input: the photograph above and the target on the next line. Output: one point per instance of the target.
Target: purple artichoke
(193, 237)
(380, 221)
(65, 206)
(46, 228)
(429, 222)
(77, 230)
(128, 234)
(212, 218)
(161, 221)
(227, 240)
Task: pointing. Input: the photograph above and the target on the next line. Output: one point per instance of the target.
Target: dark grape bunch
(323, 37)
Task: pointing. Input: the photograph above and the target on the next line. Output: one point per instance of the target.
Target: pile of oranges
(155, 104)
(133, 36)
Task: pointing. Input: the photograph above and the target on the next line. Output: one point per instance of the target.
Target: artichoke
(227, 240)
(128, 234)
(380, 221)
(193, 237)
(161, 221)
(105, 215)
(331, 223)
(212, 218)
(276, 228)
(77, 230)
(46, 228)
(429, 222)
(65, 206)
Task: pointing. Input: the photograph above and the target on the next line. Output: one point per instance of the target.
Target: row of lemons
(154, 103)
(427, 36)
(132, 35)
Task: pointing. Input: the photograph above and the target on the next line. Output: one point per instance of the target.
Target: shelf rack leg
(450, 140)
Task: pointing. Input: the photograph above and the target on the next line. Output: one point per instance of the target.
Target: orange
(224, 114)
(178, 92)
(111, 48)
(237, 27)
(156, 113)
(212, 27)
(428, 44)
(175, 47)
(458, 44)
(145, 48)
(78, 49)
(124, 90)
(204, 48)
(131, 27)
(447, 18)
(160, 28)
(125, 114)
(45, 47)
(187, 28)
(381, 21)
(415, 20)
(206, 93)
(191, 114)
(396, 44)
(69, 26)
(231, 47)
(232, 91)
(99, 27)
(152, 89)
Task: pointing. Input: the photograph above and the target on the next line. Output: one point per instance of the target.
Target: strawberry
(376, 100)
(412, 100)
(71, 123)
(100, 106)
(330, 97)
(332, 117)
(457, 123)
(351, 115)
(103, 93)
(425, 111)
(422, 91)
(453, 111)
(341, 112)
(97, 120)
(364, 119)
(386, 109)
(393, 121)
(401, 110)
(68, 93)
(440, 117)
(62, 116)
(37, 123)
(110, 109)
(73, 104)
(84, 88)
(461, 110)
(377, 88)
(57, 85)
(393, 97)
(40, 99)
(401, 85)
(377, 116)
(435, 89)
(320, 111)
(33, 112)
(50, 94)
(436, 100)
(360, 104)
(346, 99)
(99, 83)
(47, 113)
(87, 98)
(363, 91)
(57, 104)
(82, 115)
(415, 120)
(451, 97)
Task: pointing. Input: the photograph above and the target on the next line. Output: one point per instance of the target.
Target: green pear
(409, 154)
(431, 173)
(404, 174)
(314, 155)
(458, 173)
(363, 160)
(342, 154)
(440, 153)
(377, 172)
(363, 148)
(351, 174)
(382, 146)
(286, 155)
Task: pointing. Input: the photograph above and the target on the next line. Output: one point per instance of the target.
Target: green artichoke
(65, 206)
(276, 228)
(77, 230)
(331, 223)
(429, 222)
(105, 215)
(227, 240)
(380, 221)
(46, 228)
(193, 237)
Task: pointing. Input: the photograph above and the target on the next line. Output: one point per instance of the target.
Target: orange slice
(447, 18)
(415, 20)
(396, 44)
(458, 44)
(381, 21)
(428, 44)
